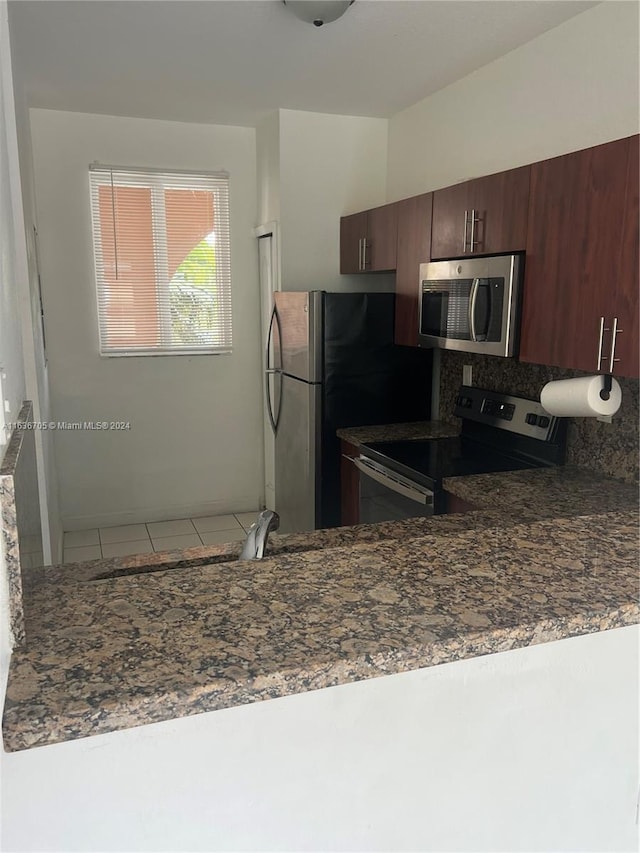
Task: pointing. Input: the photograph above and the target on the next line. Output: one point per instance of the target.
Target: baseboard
(247, 503)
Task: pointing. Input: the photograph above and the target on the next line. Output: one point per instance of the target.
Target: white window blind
(162, 261)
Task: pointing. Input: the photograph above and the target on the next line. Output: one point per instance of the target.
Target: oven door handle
(393, 481)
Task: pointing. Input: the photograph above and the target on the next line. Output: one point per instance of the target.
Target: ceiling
(234, 61)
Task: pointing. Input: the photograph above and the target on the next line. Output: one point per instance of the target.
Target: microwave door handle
(473, 297)
(483, 335)
(473, 303)
(386, 478)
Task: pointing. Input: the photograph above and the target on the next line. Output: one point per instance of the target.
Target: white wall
(329, 165)
(534, 749)
(35, 364)
(572, 87)
(195, 444)
(11, 365)
(268, 168)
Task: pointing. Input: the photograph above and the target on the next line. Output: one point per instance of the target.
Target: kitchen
(407, 176)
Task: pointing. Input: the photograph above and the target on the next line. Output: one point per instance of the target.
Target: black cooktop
(429, 461)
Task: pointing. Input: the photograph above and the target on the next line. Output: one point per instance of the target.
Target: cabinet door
(577, 206)
(353, 230)
(499, 205)
(481, 217)
(626, 301)
(349, 485)
(449, 234)
(414, 247)
(382, 235)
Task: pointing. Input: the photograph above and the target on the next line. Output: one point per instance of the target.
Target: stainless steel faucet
(258, 535)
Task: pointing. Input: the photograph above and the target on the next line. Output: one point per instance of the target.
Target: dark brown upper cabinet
(414, 247)
(352, 232)
(368, 240)
(580, 305)
(481, 217)
(627, 285)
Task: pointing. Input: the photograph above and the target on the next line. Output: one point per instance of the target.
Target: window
(161, 250)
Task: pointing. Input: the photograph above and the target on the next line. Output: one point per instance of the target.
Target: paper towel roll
(580, 398)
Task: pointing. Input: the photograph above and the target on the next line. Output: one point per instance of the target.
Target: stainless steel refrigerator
(332, 363)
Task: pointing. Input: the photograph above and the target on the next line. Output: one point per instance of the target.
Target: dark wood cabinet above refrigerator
(368, 240)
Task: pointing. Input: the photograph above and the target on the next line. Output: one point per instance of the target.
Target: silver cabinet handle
(464, 232)
(615, 331)
(473, 295)
(474, 219)
(362, 254)
(600, 340)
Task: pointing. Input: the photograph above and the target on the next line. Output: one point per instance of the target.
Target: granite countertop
(414, 430)
(556, 492)
(548, 554)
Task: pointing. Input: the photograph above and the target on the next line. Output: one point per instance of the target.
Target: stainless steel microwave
(471, 305)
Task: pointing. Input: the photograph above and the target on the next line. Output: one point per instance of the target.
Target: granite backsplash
(608, 448)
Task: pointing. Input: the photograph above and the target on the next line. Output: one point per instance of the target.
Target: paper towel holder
(605, 392)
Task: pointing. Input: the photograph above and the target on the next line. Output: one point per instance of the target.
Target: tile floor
(155, 536)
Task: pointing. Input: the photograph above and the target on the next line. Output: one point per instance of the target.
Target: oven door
(387, 496)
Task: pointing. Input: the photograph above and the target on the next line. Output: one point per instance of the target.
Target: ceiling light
(318, 12)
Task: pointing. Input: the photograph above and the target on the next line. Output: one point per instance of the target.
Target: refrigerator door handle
(279, 369)
(279, 346)
(274, 419)
(267, 389)
(267, 358)
(269, 372)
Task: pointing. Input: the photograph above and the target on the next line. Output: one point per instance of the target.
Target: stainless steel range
(499, 432)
